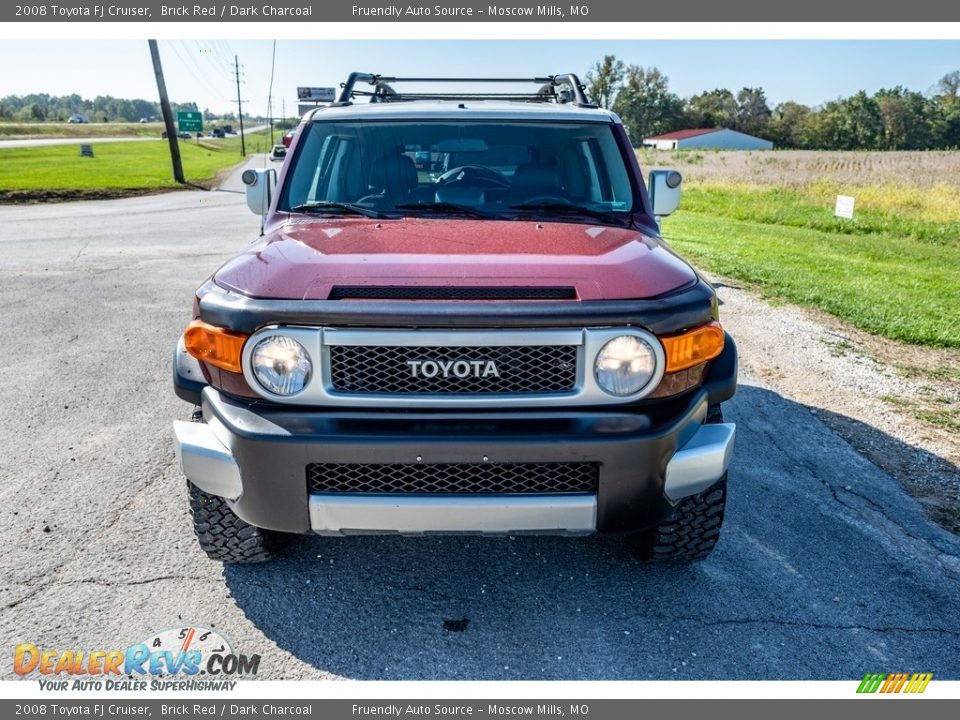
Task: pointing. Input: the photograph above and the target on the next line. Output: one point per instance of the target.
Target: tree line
(890, 119)
(41, 107)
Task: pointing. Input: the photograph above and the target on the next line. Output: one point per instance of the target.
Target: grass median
(19, 131)
(116, 169)
(894, 270)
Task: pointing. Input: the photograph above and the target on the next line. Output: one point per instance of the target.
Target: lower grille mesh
(439, 478)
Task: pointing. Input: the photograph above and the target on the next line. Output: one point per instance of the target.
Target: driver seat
(538, 178)
(394, 177)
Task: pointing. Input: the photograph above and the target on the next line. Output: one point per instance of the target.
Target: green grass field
(116, 168)
(894, 270)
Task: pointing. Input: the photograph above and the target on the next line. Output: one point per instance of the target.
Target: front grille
(519, 369)
(390, 292)
(476, 478)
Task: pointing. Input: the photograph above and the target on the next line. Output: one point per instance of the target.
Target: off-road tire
(225, 537)
(693, 530)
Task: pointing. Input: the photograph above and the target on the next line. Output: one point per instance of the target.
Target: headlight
(281, 365)
(624, 365)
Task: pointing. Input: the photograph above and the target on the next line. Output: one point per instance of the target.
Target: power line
(228, 52)
(186, 66)
(204, 77)
(224, 60)
(208, 52)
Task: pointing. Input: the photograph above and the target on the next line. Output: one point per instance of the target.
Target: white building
(707, 138)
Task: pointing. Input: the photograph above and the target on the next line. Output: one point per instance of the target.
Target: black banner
(203, 709)
(482, 11)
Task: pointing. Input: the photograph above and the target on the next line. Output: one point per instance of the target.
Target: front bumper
(649, 457)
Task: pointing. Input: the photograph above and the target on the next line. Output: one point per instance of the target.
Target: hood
(305, 258)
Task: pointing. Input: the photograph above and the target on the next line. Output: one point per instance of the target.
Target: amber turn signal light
(693, 347)
(214, 345)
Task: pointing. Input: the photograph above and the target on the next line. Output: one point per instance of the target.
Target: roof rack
(565, 88)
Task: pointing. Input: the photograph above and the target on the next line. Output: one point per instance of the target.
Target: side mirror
(664, 189)
(260, 185)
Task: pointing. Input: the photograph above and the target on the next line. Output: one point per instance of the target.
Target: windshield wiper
(334, 206)
(568, 209)
(445, 207)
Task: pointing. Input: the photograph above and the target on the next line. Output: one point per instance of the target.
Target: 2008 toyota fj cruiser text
(460, 318)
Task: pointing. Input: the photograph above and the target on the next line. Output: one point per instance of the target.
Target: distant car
(228, 129)
(288, 138)
(184, 135)
(78, 119)
(143, 121)
(279, 152)
(218, 133)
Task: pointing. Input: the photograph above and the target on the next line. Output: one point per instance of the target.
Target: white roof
(463, 109)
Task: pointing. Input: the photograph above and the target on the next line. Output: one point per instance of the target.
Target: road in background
(826, 569)
(39, 142)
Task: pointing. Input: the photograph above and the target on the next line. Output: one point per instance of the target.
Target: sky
(806, 71)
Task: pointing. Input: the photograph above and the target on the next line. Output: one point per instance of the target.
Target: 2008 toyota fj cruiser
(460, 318)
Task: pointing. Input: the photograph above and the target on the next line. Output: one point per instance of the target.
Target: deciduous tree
(646, 104)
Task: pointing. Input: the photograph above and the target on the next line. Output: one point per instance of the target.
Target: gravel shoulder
(896, 404)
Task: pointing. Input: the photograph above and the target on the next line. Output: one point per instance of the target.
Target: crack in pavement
(106, 583)
(932, 550)
(53, 576)
(790, 623)
(80, 251)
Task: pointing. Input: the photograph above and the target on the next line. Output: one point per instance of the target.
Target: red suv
(502, 345)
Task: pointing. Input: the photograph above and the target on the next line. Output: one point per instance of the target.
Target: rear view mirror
(453, 145)
(260, 185)
(664, 189)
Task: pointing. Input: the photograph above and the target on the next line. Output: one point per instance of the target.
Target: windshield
(481, 169)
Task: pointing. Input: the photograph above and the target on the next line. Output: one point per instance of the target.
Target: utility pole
(270, 117)
(243, 140)
(167, 114)
(273, 62)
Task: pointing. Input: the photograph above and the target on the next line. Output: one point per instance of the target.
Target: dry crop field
(802, 168)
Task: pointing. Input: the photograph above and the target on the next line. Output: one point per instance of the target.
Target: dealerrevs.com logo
(184, 658)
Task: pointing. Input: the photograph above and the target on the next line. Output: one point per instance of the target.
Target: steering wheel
(474, 175)
(546, 200)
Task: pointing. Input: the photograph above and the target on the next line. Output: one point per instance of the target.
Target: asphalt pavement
(826, 569)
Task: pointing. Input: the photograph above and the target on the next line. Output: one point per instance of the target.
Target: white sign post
(844, 208)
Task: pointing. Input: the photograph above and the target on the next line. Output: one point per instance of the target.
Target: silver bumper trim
(701, 461)
(206, 461)
(421, 515)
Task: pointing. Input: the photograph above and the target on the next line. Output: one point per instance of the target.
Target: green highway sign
(190, 121)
